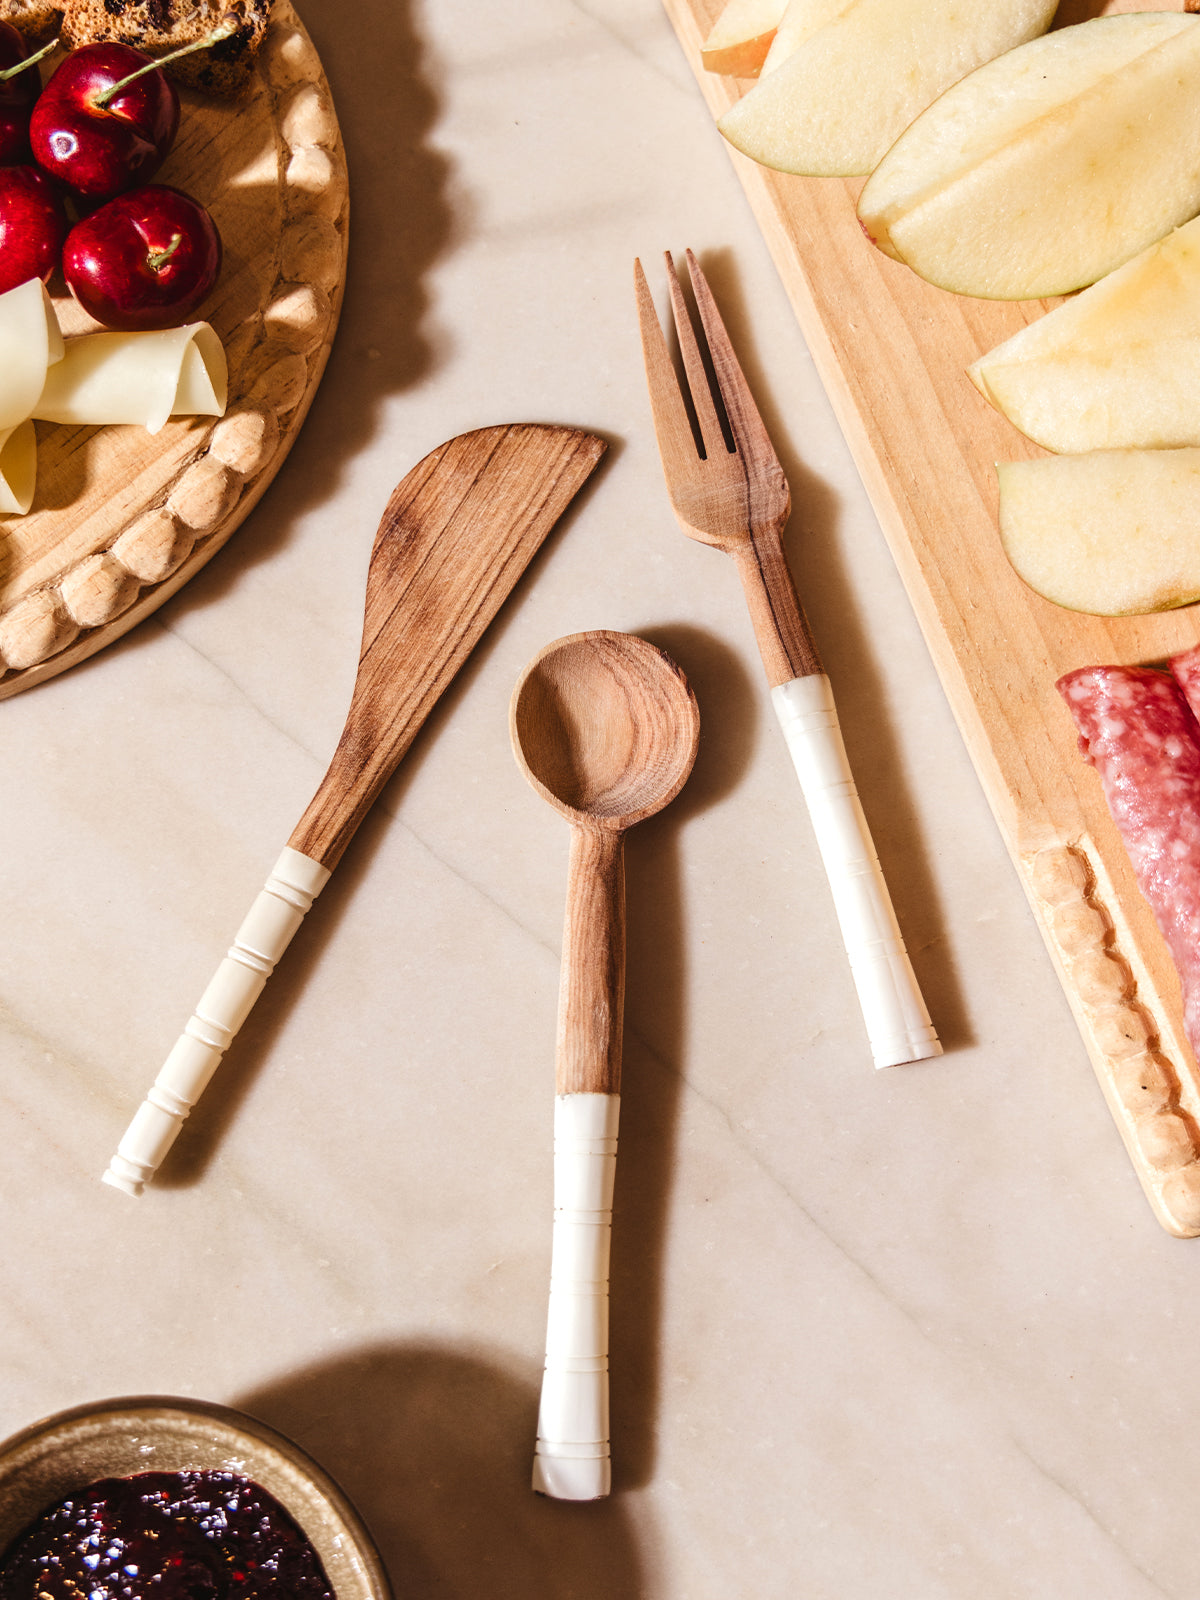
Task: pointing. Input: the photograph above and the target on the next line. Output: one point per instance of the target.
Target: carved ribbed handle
(572, 1456)
(898, 1024)
(262, 938)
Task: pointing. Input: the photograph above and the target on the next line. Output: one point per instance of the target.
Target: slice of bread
(159, 26)
(38, 21)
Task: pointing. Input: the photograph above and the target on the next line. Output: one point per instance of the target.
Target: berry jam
(164, 1536)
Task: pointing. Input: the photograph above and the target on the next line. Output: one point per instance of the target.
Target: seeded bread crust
(158, 26)
(38, 21)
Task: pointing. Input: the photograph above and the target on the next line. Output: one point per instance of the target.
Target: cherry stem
(159, 258)
(29, 61)
(215, 37)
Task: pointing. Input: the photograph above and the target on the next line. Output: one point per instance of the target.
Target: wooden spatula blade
(458, 532)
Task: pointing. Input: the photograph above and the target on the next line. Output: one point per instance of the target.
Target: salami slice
(1138, 731)
(1187, 674)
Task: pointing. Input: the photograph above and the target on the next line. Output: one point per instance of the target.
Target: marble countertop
(914, 1331)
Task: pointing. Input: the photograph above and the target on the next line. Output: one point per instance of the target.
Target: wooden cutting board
(122, 518)
(892, 352)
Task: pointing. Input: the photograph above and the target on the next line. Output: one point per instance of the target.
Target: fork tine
(671, 425)
(693, 362)
(745, 423)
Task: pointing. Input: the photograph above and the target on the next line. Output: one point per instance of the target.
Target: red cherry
(17, 95)
(32, 226)
(145, 260)
(97, 142)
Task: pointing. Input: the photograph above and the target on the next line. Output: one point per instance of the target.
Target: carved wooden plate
(122, 518)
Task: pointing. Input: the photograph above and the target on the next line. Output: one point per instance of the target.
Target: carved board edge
(1143, 1064)
(276, 357)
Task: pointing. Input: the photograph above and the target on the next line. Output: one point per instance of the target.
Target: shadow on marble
(656, 1036)
(401, 223)
(434, 1446)
(652, 1085)
(849, 655)
(730, 714)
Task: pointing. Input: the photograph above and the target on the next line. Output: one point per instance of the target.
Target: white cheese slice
(30, 342)
(137, 377)
(18, 467)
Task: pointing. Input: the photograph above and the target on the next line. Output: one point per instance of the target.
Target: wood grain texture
(458, 532)
(785, 642)
(122, 519)
(892, 352)
(605, 727)
(736, 499)
(591, 996)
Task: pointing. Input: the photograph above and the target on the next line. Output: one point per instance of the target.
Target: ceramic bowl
(155, 1433)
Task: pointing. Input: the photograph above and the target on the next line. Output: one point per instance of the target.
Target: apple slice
(800, 20)
(1049, 167)
(739, 39)
(1116, 368)
(1113, 532)
(844, 77)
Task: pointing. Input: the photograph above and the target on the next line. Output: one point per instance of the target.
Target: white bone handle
(294, 884)
(898, 1024)
(571, 1461)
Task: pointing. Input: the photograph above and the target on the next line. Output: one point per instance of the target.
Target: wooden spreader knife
(456, 535)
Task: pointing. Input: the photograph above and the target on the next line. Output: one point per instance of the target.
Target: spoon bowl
(605, 728)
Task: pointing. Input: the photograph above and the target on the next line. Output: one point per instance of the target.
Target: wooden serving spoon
(605, 727)
(457, 533)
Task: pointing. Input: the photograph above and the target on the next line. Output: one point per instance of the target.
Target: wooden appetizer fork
(733, 494)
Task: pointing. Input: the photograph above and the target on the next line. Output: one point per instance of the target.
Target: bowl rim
(121, 1407)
